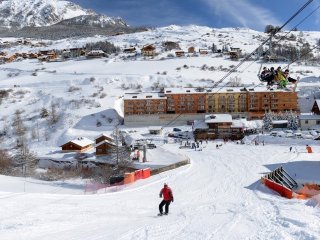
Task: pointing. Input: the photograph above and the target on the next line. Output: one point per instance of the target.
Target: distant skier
(290, 149)
(166, 193)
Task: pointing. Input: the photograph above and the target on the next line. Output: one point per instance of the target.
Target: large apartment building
(145, 103)
(185, 100)
(239, 102)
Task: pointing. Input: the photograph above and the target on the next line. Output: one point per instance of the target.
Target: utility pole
(117, 145)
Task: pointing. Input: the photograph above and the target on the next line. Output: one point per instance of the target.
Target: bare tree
(25, 159)
(120, 153)
(18, 123)
(54, 114)
(6, 165)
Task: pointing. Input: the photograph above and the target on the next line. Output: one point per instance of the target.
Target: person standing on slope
(166, 194)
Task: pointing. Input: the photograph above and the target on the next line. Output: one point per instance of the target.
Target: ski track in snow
(219, 196)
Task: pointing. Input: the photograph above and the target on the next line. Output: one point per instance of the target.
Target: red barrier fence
(129, 178)
(138, 175)
(283, 191)
(146, 173)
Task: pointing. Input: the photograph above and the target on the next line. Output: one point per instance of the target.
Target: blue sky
(255, 14)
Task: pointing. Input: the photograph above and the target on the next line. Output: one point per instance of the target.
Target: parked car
(274, 133)
(298, 134)
(177, 130)
(307, 136)
(151, 145)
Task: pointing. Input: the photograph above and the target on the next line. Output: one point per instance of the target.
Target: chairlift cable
(262, 44)
(282, 37)
(247, 57)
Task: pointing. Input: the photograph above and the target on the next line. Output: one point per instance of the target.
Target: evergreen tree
(267, 120)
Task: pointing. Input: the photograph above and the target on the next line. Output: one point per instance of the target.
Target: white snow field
(217, 196)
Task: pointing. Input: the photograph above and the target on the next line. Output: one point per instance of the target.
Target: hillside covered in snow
(217, 196)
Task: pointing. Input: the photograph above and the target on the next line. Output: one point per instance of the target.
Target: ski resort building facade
(183, 105)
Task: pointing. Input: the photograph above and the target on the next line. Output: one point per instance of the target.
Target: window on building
(306, 121)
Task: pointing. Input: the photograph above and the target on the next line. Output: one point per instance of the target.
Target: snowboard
(163, 214)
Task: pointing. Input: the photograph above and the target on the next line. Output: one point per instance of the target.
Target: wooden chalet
(316, 107)
(191, 49)
(3, 53)
(33, 55)
(130, 50)
(105, 147)
(80, 144)
(155, 130)
(218, 126)
(9, 59)
(148, 50)
(203, 51)
(235, 53)
(52, 55)
(179, 53)
(103, 137)
(169, 45)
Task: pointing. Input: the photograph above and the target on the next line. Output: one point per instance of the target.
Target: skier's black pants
(167, 203)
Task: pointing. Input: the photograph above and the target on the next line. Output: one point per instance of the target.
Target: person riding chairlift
(280, 78)
(268, 75)
(286, 74)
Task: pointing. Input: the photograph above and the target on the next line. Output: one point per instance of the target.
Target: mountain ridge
(17, 14)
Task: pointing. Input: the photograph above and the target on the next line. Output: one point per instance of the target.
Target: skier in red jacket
(166, 193)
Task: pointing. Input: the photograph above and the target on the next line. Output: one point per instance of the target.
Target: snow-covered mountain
(38, 13)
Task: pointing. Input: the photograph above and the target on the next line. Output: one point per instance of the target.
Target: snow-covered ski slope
(218, 196)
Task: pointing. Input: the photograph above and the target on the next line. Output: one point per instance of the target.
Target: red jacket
(166, 193)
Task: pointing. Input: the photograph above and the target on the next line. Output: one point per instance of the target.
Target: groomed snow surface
(217, 196)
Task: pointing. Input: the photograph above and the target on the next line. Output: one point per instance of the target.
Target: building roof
(103, 135)
(155, 128)
(151, 95)
(80, 141)
(105, 141)
(223, 90)
(309, 117)
(200, 124)
(279, 121)
(218, 118)
(317, 101)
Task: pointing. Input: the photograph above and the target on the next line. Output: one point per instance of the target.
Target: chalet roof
(96, 52)
(317, 101)
(309, 117)
(107, 142)
(103, 135)
(200, 124)
(140, 96)
(80, 141)
(279, 121)
(218, 118)
(148, 48)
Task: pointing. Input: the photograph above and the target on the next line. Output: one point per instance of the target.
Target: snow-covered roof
(103, 135)
(146, 95)
(218, 118)
(96, 52)
(155, 128)
(237, 124)
(223, 90)
(105, 141)
(309, 117)
(82, 141)
(200, 124)
(279, 121)
(182, 90)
